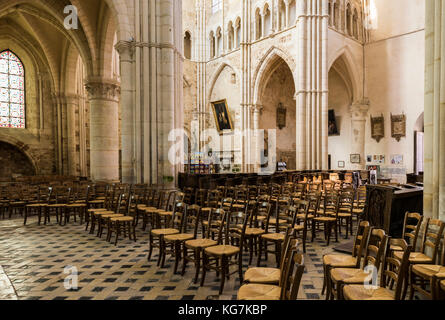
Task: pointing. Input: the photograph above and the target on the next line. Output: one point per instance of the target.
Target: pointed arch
(215, 77)
(261, 72)
(348, 59)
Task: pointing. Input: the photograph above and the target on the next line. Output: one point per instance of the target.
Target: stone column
(312, 92)
(72, 112)
(359, 114)
(126, 49)
(256, 110)
(104, 128)
(434, 162)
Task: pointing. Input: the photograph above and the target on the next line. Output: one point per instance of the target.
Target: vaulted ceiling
(41, 22)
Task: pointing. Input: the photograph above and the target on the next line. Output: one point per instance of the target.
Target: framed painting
(341, 164)
(355, 158)
(332, 123)
(223, 119)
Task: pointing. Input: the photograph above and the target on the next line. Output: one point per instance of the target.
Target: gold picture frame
(223, 119)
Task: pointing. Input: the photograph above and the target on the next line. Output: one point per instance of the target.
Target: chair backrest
(396, 269)
(411, 228)
(432, 236)
(361, 241)
(178, 216)
(293, 272)
(191, 220)
(376, 249)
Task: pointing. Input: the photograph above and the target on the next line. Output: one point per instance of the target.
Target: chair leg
(177, 256)
(150, 252)
(117, 232)
(260, 251)
(204, 268)
(224, 266)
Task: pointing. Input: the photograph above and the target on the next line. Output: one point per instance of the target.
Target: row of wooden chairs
(397, 261)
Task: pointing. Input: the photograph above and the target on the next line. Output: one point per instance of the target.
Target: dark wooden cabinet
(386, 206)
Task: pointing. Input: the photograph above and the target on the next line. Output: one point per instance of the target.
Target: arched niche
(14, 162)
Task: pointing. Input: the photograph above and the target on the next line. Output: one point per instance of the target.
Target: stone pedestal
(104, 132)
(359, 114)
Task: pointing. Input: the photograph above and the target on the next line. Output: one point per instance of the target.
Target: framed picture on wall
(223, 119)
(332, 122)
(341, 164)
(355, 158)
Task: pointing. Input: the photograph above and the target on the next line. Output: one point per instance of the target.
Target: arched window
(237, 32)
(355, 24)
(12, 91)
(230, 36)
(212, 45)
(348, 20)
(292, 12)
(258, 25)
(188, 45)
(267, 21)
(336, 15)
(281, 15)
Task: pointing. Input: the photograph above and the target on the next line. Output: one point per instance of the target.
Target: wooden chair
(394, 269)
(61, 198)
(264, 275)
(328, 216)
(38, 208)
(189, 231)
(224, 255)
(198, 246)
(431, 242)
(345, 207)
(347, 261)
(157, 234)
(289, 281)
(375, 254)
(442, 290)
(301, 230)
(411, 228)
(120, 225)
(275, 239)
(430, 273)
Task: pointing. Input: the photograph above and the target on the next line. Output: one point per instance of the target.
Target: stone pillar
(434, 162)
(312, 91)
(72, 112)
(104, 128)
(256, 110)
(126, 49)
(359, 114)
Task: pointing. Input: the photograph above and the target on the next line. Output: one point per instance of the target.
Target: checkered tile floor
(36, 263)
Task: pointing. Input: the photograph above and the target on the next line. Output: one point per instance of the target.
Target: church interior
(222, 150)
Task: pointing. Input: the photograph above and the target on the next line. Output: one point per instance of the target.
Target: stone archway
(14, 162)
(276, 97)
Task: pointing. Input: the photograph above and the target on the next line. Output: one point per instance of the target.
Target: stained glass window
(12, 91)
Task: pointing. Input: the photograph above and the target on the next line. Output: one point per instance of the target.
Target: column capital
(359, 109)
(103, 89)
(125, 49)
(256, 108)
